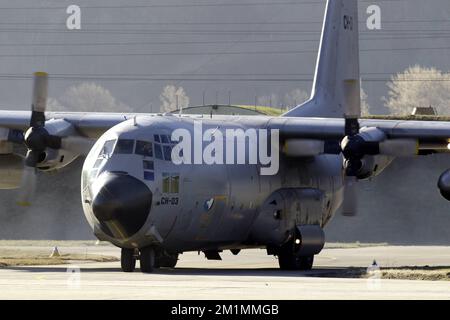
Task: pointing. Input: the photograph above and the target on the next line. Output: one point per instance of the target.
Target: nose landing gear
(150, 259)
(147, 259)
(128, 260)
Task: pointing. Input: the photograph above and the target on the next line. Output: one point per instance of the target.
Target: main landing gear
(150, 259)
(290, 259)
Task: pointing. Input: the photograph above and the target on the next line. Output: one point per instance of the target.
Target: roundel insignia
(208, 204)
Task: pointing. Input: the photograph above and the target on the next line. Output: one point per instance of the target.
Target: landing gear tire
(166, 261)
(127, 260)
(289, 259)
(147, 259)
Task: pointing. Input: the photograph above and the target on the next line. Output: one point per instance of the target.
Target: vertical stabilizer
(337, 79)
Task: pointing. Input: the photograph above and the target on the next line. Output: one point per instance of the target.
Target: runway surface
(250, 275)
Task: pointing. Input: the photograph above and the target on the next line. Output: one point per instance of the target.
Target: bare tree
(419, 87)
(268, 100)
(173, 98)
(87, 96)
(365, 107)
(295, 97)
(54, 105)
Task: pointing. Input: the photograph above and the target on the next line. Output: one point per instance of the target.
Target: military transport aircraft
(136, 196)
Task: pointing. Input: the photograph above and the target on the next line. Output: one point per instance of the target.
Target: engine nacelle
(11, 166)
(373, 166)
(53, 159)
(444, 184)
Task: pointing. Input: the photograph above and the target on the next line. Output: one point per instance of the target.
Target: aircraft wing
(320, 128)
(88, 124)
(93, 124)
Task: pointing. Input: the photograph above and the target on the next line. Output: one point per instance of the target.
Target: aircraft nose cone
(122, 204)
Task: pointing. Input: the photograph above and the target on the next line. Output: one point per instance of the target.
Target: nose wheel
(128, 260)
(150, 259)
(147, 259)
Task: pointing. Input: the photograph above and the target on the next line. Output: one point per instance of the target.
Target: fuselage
(200, 206)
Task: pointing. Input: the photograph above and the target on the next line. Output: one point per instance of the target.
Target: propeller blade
(351, 127)
(28, 184)
(28, 187)
(349, 208)
(39, 102)
(54, 142)
(77, 145)
(352, 106)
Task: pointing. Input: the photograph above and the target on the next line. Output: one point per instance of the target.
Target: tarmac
(250, 275)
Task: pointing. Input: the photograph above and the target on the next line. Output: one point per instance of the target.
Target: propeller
(355, 147)
(37, 139)
(351, 145)
(352, 164)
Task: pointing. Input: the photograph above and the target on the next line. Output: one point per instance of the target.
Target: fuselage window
(149, 168)
(156, 137)
(108, 148)
(148, 165)
(175, 183)
(158, 152)
(144, 148)
(171, 182)
(124, 146)
(149, 175)
(166, 182)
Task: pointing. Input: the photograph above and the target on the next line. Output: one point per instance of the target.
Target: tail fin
(337, 63)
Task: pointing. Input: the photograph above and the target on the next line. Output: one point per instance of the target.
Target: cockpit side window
(163, 147)
(124, 146)
(164, 138)
(167, 153)
(108, 148)
(98, 163)
(144, 148)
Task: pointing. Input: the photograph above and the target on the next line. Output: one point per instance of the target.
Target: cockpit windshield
(124, 146)
(162, 144)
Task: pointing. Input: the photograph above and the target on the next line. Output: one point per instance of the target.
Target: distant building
(424, 111)
(220, 109)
